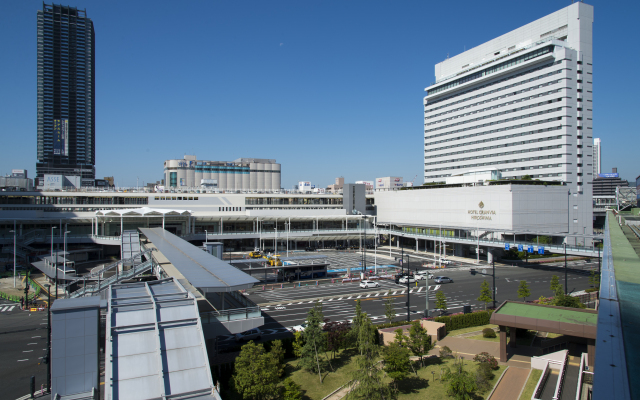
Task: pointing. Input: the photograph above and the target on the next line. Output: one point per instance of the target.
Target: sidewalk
(511, 384)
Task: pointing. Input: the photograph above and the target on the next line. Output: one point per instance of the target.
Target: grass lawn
(462, 331)
(415, 387)
(530, 386)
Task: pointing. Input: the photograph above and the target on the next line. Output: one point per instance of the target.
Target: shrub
(488, 333)
(445, 352)
(486, 358)
(459, 321)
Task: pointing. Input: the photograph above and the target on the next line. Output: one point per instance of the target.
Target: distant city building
(17, 181)
(605, 187)
(66, 93)
(520, 103)
(368, 185)
(389, 183)
(337, 186)
(597, 157)
(242, 174)
(305, 186)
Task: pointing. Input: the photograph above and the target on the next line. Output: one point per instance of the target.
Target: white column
(162, 221)
(121, 225)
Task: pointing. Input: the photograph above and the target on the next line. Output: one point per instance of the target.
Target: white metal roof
(155, 346)
(142, 211)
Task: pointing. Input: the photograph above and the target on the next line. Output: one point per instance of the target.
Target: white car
(443, 279)
(369, 284)
(299, 328)
(251, 334)
(445, 261)
(404, 279)
(423, 277)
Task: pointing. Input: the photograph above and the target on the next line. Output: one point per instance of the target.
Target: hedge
(460, 321)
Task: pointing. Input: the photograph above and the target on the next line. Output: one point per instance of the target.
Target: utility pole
(48, 356)
(408, 289)
(598, 292)
(493, 264)
(566, 290)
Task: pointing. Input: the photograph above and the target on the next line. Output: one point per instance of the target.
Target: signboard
(530, 249)
(506, 246)
(209, 182)
(60, 137)
(540, 250)
(53, 181)
(519, 247)
(609, 175)
(183, 182)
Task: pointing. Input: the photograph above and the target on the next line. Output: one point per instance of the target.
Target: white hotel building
(521, 103)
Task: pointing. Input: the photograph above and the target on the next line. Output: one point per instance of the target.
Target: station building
(254, 174)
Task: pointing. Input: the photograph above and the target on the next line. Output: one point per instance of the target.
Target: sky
(327, 88)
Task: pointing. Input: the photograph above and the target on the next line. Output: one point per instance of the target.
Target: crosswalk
(4, 308)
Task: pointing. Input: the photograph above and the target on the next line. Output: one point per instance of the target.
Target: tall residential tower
(597, 157)
(522, 104)
(66, 93)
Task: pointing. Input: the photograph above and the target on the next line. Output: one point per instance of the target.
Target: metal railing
(95, 273)
(563, 372)
(230, 315)
(103, 284)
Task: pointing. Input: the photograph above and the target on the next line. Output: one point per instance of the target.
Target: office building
(389, 183)
(337, 186)
(520, 103)
(66, 93)
(254, 174)
(597, 157)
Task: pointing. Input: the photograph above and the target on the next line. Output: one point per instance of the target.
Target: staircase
(93, 289)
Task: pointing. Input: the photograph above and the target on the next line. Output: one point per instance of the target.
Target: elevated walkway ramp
(201, 269)
(155, 347)
(130, 247)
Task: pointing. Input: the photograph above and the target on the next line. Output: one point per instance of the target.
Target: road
(23, 343)
(285, 308)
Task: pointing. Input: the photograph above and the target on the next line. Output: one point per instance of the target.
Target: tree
(555, 286)
(298, 342)
(291, 390)
(523, 290)
(526, 177)
(441, 301)
(419, 341)
(277, 354)
(389, 310)
(594, 279)
(370, 385)
(543, 240)
(336, 335)
(256, 375)
(485, 293)
(543, 300)
(357, 322)
(396, 361)
(460, 383)
(563, 300)
(314, 341)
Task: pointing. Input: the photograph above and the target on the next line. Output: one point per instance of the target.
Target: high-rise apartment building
(522, 104)
(66, 93)
(597, 157)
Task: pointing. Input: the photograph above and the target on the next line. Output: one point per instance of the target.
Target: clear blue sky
(327, 88)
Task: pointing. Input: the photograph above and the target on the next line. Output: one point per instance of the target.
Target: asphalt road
(23, 343)
(339, 300)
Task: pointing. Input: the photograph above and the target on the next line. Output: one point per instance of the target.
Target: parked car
(309, 248)
(404, 279)
(302, 326)
(443, 279)
(340, 247)
(400, 276)
(251, 334)
(369, 284)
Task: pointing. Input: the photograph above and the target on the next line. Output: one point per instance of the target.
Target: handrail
(541, 382)
(137, 269)
(563, 371)
(95, 273)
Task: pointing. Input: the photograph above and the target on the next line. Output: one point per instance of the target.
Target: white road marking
(394, 292)
(12, 307)
(411, 291)
(420, 289)
(26, 359)
(33, 337)
(27, 351)
(4, 309)
(31, 343)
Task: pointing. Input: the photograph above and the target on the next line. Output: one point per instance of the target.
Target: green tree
(594, 279)
(277, 353)
(396, 361)
(389, 310)
(460, 383)
(485, 293)
(368, 375)
(419, 341)
(441, 301)
(291, 390)
(523, 290)
(555, 285)
(298, 343)
(543, 240)
(563, 300)
(543, 300)
(526, 177)
(357, 322)
(314, 341)
(256, 375)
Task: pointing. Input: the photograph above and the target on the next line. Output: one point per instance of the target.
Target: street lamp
(566, 242)
(48, 357)
(14, 253)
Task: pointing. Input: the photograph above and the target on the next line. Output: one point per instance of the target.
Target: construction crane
(413, 180)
